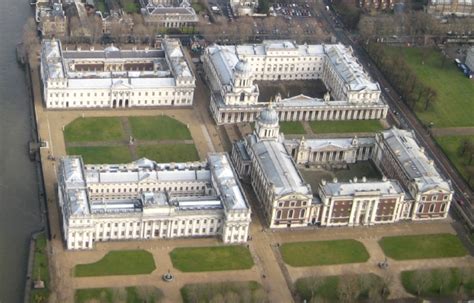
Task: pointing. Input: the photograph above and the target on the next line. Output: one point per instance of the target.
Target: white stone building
(169, 14)
(114, 78)
(398, 155)
(415, 190)
(231, 72)
(147, 200)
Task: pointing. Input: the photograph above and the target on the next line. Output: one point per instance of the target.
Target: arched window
(279, 214)
(290, 214)
(432, 208)
(420, 208)
(443, 207)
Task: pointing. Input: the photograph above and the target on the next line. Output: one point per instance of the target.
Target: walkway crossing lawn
(248, 292)
(94, 129)
(329, 288)
(440, 282)
(292, 128)
(451, 146)
(158, 128)
(454, 103)
(350, 126)
(217, 258)
(169, 152)
(102, 154)
(316, 253)
(119, 262)
(422, 247)
(133, 294)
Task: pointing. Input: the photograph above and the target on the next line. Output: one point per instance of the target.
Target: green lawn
(197, 259)
(248, 292)
(100, 5)
(158, 128)
(94, 129)
(169, 152)
(119, 262)
(315, 253)
(102, 154)
(197, 7)
(422, 247)
(327, 289)
(134, 294)
(40, 270)
(444, 282)
(455, 102)
(292, 128)
(354, 126)
(451, 146)
(130, 6)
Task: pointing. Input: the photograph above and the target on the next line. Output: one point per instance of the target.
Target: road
(405, 118)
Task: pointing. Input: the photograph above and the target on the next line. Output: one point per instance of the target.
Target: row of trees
(414, 92)
(246, 29)
(466, 151)
(230, 292)
(348, 288)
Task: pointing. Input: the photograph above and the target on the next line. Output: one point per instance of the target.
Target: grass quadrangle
(316, 253)
(217, 258)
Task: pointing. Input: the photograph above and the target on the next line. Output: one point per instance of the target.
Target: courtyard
(312, 88)
(111, 140)
(359, 169)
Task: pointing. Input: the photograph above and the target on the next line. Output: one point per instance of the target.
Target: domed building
(267, 126)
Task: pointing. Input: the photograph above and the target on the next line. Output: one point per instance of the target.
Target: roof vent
(334, 180)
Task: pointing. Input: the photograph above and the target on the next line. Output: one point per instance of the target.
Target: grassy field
(40, 270)
(355, 126)
(292, 128)
(315, 253)
(94, 129)
(169, 152)
(134, 294)
(422, 247)
(119, 262)
(451, 147)
(248, 292)
(454, 104)
(130, 6)
(158, 128)
(440, 282)
(197, 259)
(102, 154)
(327, 289)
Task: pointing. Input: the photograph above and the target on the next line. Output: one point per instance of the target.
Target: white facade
(169, 14)
(415, 191)
(113, 78)
(232, 70)
(146, 200)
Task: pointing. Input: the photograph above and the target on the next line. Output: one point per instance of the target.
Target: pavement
(276, 278)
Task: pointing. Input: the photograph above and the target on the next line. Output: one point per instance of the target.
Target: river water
(19, 204)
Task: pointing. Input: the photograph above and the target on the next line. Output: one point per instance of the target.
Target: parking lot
(291, 9)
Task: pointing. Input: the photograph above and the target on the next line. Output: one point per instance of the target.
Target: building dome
(243, 67)
(268, 116)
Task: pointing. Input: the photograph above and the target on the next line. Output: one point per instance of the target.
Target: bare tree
(421, 279)
(430, 97)
(444, 278)
(348, 288)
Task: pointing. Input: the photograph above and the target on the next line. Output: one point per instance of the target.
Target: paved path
(453, 131)
(277, 282)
